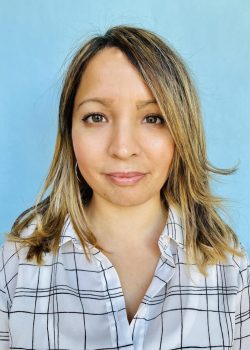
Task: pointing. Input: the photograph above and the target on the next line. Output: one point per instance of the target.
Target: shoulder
(9, 261)
(10, 251)
(241, 262)
(244, 262)
(242, 265)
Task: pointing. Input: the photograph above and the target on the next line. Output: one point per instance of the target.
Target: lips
(125, 178)
(126, 174)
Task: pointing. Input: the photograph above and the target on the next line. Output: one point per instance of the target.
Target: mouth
(125, 178)
(126, 173)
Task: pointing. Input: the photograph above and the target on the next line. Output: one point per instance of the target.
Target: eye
(96, 118)
(152, 118)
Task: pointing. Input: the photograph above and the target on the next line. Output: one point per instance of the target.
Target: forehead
(110, 73)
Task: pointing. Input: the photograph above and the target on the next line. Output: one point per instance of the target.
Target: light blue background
(37, 39)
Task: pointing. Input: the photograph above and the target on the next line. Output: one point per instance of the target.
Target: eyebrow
(106, 102)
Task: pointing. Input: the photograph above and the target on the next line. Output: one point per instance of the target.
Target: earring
(76, 173)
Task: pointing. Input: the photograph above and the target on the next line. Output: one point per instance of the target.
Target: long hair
(208, 238)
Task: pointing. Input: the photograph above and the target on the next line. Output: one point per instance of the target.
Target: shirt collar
(172, 230)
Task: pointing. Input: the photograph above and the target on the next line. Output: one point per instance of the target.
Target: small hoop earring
(76, 172)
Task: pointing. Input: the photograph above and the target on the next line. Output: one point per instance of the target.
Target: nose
(124, 140)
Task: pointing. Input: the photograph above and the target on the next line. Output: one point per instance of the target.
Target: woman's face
(122, 133)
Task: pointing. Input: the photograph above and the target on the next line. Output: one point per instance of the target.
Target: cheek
(162, 150)
(87, 152)
(83, 155)
(81, 149)
(169, 152)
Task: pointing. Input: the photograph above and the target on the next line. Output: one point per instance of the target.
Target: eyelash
(100, 114)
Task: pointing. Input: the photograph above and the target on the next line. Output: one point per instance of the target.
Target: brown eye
(96, 118)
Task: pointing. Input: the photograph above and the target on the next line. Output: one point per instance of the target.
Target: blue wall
(37, 38)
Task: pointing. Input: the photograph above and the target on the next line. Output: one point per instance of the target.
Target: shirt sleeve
(4, 320)
(242, 313)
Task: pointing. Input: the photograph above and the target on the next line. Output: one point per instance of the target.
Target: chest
(48, 300)
(135, 272)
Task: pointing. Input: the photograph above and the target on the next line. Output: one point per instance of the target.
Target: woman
(128, 249)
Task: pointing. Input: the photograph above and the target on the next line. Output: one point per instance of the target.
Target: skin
(122, 138)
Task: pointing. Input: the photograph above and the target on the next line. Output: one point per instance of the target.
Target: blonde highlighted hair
(208, 237)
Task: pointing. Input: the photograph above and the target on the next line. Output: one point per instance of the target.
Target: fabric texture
(70, 303)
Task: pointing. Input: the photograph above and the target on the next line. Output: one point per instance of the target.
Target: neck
(120, 226)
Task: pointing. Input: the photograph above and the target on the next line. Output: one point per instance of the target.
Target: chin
(127, 200)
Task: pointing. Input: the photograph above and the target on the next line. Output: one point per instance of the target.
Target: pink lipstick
(125, 178)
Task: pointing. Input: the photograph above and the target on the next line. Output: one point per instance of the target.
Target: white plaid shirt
(69, 303)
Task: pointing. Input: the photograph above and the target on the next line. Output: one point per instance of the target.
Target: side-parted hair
(208, 238)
